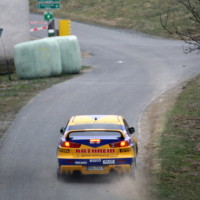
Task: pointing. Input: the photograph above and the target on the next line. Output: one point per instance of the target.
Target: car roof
(96, 119)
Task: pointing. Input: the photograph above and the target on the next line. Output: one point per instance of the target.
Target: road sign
(48, 16)
(48, 6)
(48, 1)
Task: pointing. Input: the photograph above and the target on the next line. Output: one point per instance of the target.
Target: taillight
(70, 144)
(119, 144)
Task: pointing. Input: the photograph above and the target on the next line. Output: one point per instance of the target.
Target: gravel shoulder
(151, 124)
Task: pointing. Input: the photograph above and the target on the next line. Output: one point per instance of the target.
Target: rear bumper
(69, 166)
(70, 169)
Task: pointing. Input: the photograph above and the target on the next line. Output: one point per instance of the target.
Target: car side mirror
(62, 131)
(131, 130)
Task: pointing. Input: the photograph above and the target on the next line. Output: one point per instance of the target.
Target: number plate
(108, 162)
(95, 168)
(95, 160)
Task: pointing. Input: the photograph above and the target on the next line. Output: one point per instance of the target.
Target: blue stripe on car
(86, 162)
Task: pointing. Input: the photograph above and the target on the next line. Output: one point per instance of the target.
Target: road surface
(129, 70)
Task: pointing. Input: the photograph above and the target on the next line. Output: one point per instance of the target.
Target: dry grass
(179, 173)
(140, 15)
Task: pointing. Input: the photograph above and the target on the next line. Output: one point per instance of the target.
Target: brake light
(70, 144)
(95, 141)
(119, 144)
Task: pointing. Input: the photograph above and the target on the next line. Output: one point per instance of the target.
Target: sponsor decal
(95, 160)
(80, 162)
(125, 150)
(95, 151)
(108, 162)
(64, 150)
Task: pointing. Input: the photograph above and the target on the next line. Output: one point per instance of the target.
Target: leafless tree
(190, 36)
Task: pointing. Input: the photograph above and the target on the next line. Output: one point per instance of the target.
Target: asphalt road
(129, 70)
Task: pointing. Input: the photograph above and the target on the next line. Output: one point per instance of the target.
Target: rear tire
(136, 148)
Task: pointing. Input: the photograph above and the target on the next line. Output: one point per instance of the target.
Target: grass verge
(139, 15)
(179, 154)
(16, 93)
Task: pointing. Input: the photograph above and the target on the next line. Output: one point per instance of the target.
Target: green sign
(48, 6)
(48, 16)
(48, 1)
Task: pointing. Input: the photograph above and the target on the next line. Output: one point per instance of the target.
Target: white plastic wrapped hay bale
(70, 54)
(36, 59)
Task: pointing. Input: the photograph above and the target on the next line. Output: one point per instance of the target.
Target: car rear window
(81, 135)
(95, 126)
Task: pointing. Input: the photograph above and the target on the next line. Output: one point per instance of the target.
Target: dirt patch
(5, 121)
(151, 124)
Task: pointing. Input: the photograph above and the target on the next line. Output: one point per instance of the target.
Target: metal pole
(1, 30)
(4, 50)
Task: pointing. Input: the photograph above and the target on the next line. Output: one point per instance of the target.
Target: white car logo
(81, 162)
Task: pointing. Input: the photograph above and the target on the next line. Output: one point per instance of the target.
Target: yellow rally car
(97, 144)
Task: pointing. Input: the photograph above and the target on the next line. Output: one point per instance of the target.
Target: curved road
(130, 69)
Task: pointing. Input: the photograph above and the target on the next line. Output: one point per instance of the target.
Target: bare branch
(192, 41)
(191, 9)
(165, 23)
